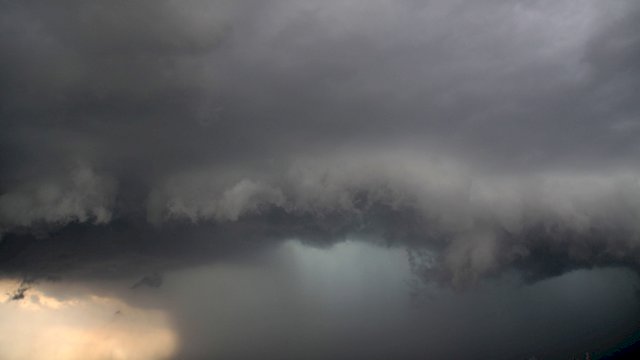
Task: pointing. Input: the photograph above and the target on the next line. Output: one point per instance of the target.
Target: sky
(484, 150)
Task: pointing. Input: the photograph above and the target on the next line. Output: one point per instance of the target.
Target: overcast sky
(483, 137)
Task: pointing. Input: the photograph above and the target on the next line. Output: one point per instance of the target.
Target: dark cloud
(19, 293)
(146, 134)
(153, 281)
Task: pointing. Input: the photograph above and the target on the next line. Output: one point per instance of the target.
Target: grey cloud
(499, 133)
(474, 225)
(81, 196)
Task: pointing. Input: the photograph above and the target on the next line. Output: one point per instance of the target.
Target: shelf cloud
(495, 135)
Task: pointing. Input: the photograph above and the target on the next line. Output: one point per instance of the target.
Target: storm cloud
(444, 179)
(494, 134)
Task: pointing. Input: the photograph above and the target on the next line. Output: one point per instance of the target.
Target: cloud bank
(497, 135)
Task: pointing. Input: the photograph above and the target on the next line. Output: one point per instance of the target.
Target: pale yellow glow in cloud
(84, 328)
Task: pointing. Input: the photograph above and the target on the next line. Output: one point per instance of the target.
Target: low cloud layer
(471, 223)
(491, 134)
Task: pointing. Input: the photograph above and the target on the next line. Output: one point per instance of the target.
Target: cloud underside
(484, 136)
(459, 226)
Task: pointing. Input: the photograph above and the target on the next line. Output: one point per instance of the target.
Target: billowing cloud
(82, 196)
(495, 134)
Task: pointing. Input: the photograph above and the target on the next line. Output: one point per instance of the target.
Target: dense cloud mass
(487, 135)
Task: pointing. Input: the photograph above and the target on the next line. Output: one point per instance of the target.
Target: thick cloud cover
(493, 134)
